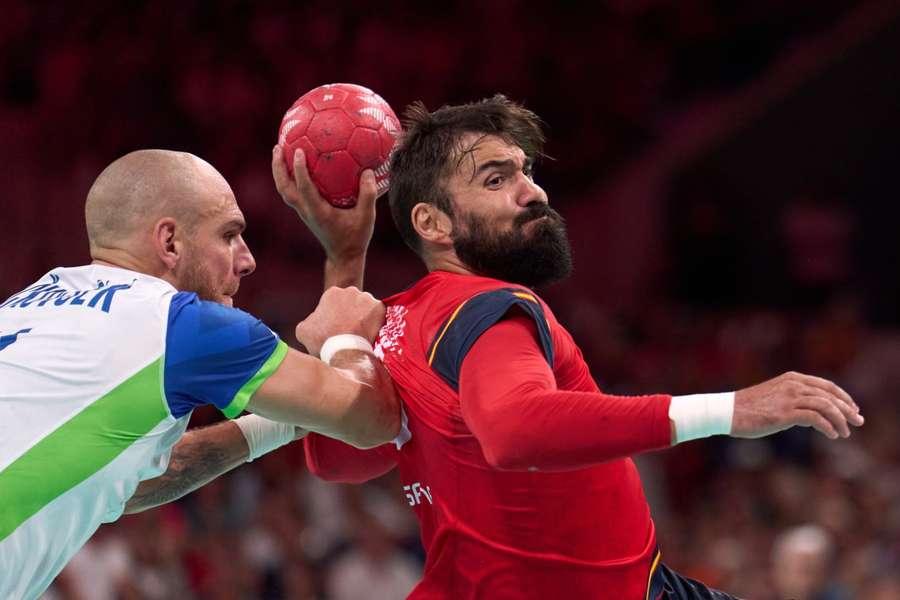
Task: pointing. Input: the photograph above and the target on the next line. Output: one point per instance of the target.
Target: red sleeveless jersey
(576, 524)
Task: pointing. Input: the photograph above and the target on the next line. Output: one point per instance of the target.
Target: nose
(244, 263)
(530, 192)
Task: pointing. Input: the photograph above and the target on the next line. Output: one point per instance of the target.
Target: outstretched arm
(523, 421)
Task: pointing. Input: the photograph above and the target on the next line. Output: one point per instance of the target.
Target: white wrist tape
(344, 341)
(701, 415)
(263, 435)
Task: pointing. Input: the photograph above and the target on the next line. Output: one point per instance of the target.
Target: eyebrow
(240, 224)
(508, 164)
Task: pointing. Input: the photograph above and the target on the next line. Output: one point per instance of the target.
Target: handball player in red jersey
(515, 462)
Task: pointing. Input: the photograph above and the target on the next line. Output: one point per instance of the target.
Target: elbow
(507, 454)
(377, 425)
(367, 442)
(509, 442)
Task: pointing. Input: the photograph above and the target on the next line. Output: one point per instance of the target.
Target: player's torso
(482, 526)
(82, 415)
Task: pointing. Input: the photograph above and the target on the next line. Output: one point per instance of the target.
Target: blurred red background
(728, 174)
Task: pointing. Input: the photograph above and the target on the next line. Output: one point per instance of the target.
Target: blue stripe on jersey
(211, 352)
(475, 316)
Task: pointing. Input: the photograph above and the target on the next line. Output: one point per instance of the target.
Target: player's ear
(431, 223)
(167, 248)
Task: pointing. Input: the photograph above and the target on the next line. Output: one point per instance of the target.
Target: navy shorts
(666, 584)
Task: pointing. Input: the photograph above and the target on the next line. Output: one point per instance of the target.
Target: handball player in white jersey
(102, 364)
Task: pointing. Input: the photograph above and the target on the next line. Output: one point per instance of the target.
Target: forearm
(345, 272)
(353, 400)
(199, 457)
(554, 430)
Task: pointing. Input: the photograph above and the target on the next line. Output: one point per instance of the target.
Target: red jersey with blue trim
(514, 461)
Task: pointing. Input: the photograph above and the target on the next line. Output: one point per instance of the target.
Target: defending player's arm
(222, 356)
(348, 395)
(352, 400)
(205, 453)
(522, 419)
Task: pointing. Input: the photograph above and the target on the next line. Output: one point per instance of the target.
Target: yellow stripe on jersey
(530, 298)
(652, 570)
(525, 296)
(446, 327)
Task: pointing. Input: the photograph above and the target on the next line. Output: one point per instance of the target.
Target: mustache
(536, 211)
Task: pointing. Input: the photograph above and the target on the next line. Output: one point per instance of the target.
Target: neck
(122, 259)
(447, 261)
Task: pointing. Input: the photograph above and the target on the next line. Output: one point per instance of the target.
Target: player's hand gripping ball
(343, 129)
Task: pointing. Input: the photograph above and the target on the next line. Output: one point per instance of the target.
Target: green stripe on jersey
(240, 400)
(80, 447)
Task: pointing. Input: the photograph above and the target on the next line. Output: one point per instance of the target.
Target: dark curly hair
(430, 150)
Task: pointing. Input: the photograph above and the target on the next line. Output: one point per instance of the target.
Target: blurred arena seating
(723, 298)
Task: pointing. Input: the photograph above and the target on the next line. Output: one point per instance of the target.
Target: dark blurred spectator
(886, 587)
(801, 565)
(818, 231)
(373, 569)
(102, 570)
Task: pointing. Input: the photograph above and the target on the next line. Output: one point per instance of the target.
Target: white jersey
(100, 368)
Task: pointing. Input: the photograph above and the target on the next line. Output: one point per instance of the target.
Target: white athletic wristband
(344, 341)
(263, 435)
(701, 415)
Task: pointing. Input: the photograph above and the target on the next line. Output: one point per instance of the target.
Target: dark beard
(534, 259)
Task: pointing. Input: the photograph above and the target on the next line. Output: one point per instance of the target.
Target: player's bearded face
(534, 252)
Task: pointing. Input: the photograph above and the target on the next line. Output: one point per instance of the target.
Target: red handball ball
(343, 129)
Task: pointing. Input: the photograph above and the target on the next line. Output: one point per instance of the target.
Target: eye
(528, 170)
(495, 181)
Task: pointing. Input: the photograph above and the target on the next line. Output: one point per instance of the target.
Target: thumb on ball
(368, 189)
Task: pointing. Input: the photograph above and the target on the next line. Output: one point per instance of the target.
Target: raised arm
(343, 233)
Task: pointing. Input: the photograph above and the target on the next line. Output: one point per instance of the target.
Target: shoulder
(477, 313)
(198, 326)
(187, 307)
(216, 354)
